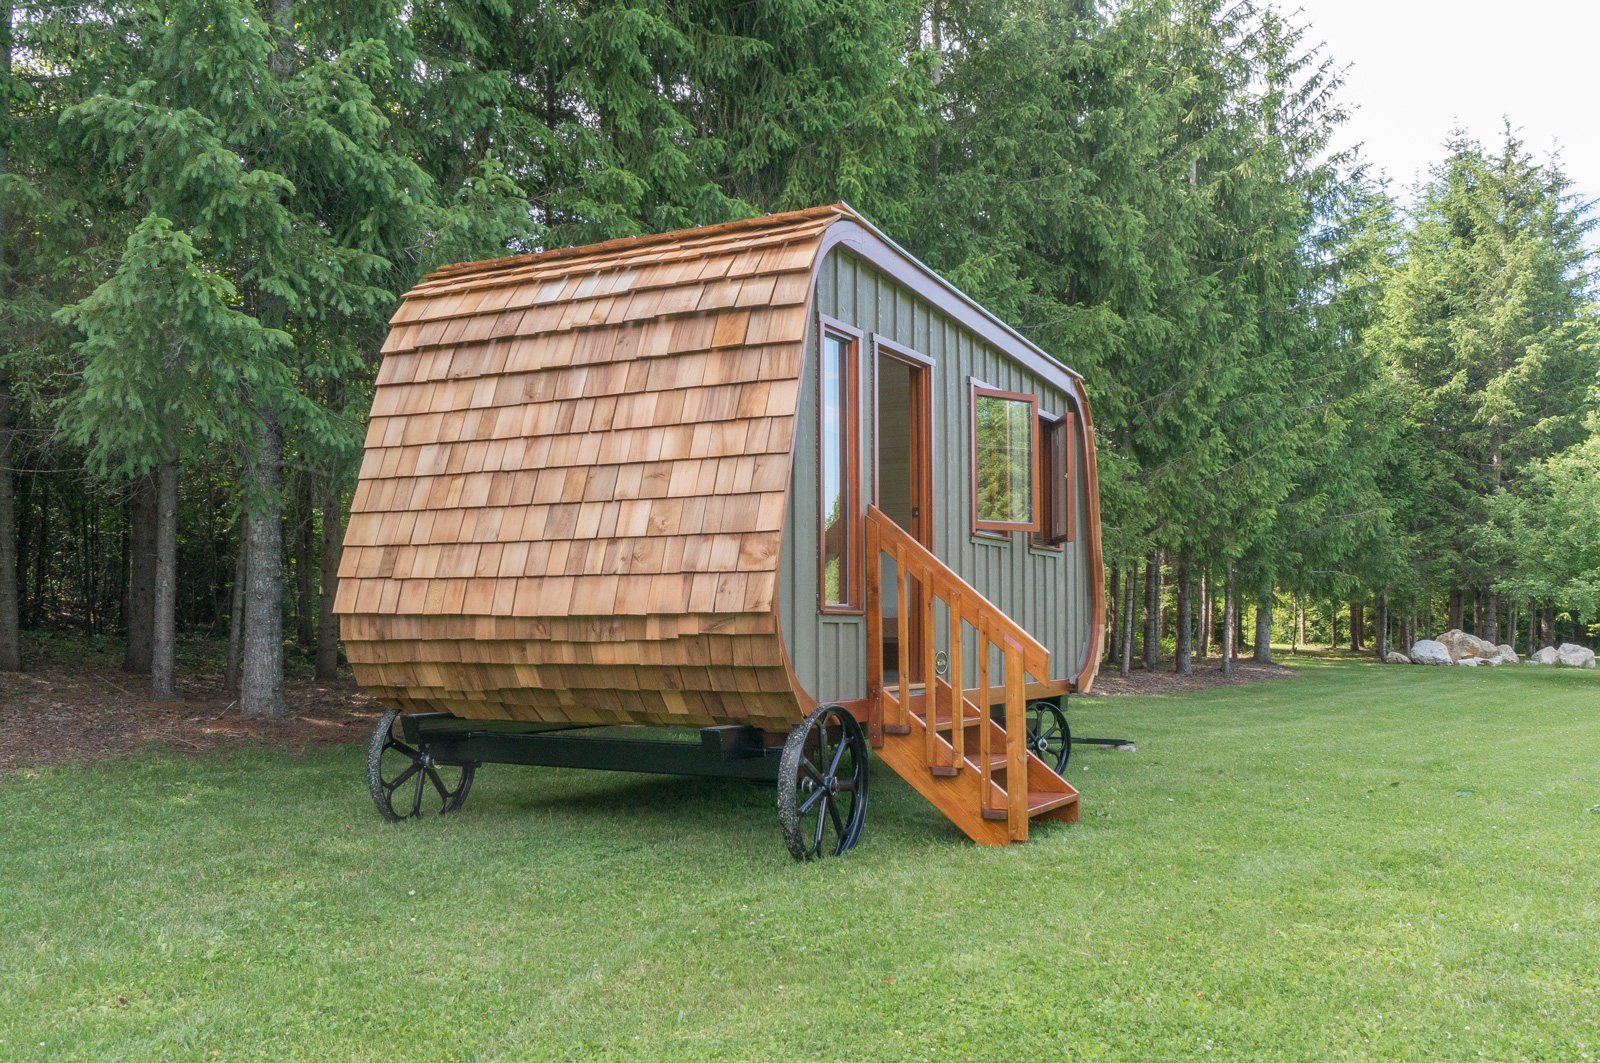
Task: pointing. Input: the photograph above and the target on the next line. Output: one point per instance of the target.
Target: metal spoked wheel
(1049, 738)
(822, 784)
(407, 782)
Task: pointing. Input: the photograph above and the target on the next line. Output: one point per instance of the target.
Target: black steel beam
(730, 752)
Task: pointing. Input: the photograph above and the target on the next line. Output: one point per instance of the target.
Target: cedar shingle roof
(572, 500)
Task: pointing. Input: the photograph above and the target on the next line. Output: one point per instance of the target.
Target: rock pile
(1457, 647)
(1568, 653)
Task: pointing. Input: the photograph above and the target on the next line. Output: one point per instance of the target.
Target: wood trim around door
(921, 431)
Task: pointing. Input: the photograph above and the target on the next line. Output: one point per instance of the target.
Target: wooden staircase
(974, 769)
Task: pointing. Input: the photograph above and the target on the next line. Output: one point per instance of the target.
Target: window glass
(1003, 438)
(836, 502)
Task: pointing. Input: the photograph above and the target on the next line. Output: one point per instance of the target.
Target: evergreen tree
(1480, 327)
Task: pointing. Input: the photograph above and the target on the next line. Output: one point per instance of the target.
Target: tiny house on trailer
(774, 480)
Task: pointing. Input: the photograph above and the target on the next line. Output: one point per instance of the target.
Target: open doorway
(903, 453)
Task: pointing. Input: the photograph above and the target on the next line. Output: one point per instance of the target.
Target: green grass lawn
(1357, 863)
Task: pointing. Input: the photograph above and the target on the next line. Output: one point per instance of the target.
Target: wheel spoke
(833, 812)
(391, 787)
(811, 770)
(416, 797)
(816, 843)
(815, 794)
(438, 784)
(1055, 729)
(396, 744)
(838, 755)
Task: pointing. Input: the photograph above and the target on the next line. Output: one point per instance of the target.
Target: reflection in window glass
(836, 501)
(1004, 442)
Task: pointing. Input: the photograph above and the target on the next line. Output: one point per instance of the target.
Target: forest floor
(73, 703)
(1362, 863)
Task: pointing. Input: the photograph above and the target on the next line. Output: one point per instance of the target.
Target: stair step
(942, 723)
(997, 762)
(1039, 802)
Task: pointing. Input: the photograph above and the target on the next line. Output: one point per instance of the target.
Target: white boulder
(1574, 656)
(1470, 662)
(1430, 651)
(1507, 655)
(1396, 657)
(1463, 645)
(1547, 655)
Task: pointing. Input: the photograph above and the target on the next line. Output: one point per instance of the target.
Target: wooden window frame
(1053, 481)
(854, 580)
(976, 390)
(882, 345)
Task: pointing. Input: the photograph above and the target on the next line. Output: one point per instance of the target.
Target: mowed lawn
(1356, 863)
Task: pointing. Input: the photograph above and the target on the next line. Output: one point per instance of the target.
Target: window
(1004, 460)
(1056, 487)
(839, 449)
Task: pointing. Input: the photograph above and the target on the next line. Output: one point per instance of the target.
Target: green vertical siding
(1047, 591)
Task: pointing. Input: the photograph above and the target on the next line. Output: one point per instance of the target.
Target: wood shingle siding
(572, 501)
(589, 493)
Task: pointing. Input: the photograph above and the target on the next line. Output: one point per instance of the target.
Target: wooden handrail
(1021, 653)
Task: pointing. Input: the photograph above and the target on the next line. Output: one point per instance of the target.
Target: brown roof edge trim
(867, 240)
(765, 221)
(1095, 643)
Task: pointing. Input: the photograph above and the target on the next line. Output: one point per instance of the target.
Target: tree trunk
(1152, 610)
(1457, 608)
(1380, 631)
(164, 615)
(332, 550)
(1127, 620)
(1228, 604)
(230, 676)
(1491, 616)
(1264, 630)
(1333, 626)
(1184, 641)
(1207, 617)
(10, 622)
(261, 681)
(1356, 624)
(1114, 617)
(141, 575)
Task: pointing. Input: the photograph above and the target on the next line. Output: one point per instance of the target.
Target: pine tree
(1482, 328)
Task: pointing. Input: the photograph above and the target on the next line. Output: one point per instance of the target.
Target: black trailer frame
(820, 770)
(734, 751)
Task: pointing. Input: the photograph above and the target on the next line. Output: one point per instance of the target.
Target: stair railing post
(930, 680)
(903, 634)
(985, 756)
(958, 694)
(1016, 747)
(874, 636)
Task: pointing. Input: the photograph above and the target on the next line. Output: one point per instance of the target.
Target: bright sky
(1418, 67)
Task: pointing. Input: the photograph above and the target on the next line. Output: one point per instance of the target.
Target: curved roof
(595, 441)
